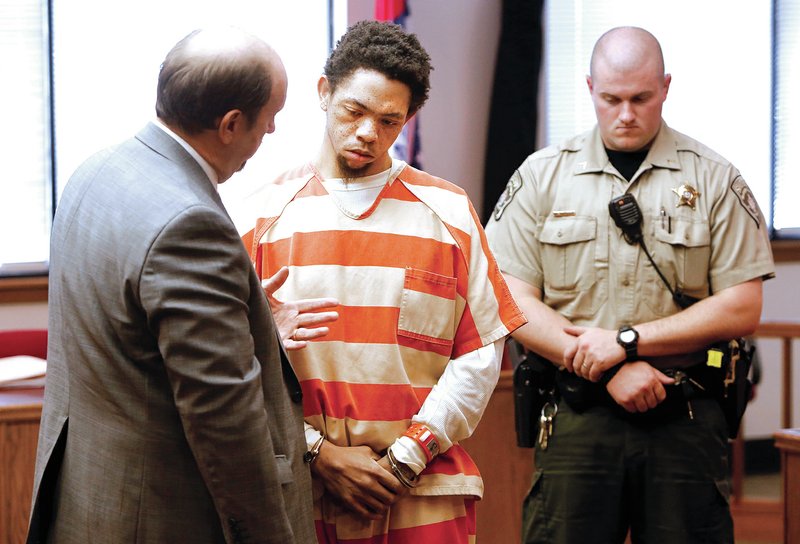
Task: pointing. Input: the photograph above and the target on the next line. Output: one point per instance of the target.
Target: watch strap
(610, 373)
(631, 353)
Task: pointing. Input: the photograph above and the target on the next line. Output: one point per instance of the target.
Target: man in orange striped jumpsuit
(407, 370)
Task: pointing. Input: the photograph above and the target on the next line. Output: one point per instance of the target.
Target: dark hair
(196, 89)
(386, 48)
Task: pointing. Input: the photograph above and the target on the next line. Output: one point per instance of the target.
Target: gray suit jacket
(170, 413)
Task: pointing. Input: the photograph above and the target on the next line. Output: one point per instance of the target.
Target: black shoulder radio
(628, 217)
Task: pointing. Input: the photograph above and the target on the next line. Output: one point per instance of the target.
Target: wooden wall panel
(20, 411)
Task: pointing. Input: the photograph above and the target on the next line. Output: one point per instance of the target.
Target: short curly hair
(386, 48)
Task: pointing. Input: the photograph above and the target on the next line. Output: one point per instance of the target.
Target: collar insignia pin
(687, 195)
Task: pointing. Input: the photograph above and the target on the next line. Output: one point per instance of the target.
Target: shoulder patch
(505, 199)
(746, 199)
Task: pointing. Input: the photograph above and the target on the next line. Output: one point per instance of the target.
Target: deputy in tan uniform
(618, 458)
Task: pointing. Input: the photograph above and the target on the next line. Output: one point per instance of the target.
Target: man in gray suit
(170, 414)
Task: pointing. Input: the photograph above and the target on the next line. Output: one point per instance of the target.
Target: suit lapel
(289, 377)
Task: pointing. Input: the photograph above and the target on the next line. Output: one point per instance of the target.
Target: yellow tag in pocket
(714, 358)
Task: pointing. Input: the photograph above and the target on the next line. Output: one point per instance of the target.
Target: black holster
(534, 385)
(735, 395)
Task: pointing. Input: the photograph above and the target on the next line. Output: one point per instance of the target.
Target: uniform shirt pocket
(570, 266)
(689, 242)
(682, 253)
(427, 307)
(568, 252)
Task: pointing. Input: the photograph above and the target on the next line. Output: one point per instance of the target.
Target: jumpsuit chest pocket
(428, 307)
(570, 266)
(683, 253)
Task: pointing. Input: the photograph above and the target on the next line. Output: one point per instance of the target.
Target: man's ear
(324, 92)
(589, 83)
(229, 124)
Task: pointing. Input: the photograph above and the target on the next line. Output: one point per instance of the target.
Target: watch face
(627, 336)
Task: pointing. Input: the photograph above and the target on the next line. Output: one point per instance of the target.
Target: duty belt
(721, 376)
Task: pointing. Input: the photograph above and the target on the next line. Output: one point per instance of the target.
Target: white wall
(453, 124)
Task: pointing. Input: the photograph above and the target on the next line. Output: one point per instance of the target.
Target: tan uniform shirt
(552, 229)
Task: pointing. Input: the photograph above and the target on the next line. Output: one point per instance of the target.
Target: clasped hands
(637, 386)
(358, 478)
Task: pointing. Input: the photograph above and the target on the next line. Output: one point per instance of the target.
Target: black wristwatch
(628, 338)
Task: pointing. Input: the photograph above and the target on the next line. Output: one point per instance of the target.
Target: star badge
(687, 195)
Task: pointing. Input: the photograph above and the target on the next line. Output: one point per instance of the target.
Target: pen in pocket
(666, 221)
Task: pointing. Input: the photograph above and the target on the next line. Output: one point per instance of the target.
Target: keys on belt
(549, 411)
(686, 384)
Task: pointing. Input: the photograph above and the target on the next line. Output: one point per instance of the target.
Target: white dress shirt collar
(210, 172)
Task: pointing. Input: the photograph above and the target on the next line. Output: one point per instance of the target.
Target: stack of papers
(22, 371)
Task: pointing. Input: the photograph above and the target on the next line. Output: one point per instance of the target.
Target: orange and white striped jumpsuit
(418, 288)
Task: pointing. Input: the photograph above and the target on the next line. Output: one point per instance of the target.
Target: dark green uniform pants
(602, 474)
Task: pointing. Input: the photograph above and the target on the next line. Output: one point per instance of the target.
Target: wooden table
(20, 411)
(788, 442)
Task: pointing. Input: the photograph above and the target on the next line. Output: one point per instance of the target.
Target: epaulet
(684, 143)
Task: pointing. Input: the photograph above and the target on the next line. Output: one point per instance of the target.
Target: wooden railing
(786, 332)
